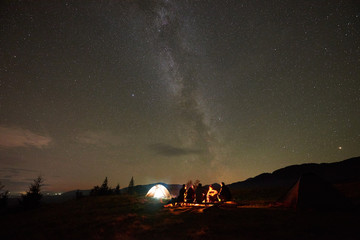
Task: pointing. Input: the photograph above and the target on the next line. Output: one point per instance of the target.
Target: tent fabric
(158, 191)
(311, 192)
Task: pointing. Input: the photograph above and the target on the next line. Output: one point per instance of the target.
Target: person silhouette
(190, 195)
(182, 191)
(224, 194)
(199, 194)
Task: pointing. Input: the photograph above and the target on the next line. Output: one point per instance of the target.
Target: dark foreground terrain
(128, 217)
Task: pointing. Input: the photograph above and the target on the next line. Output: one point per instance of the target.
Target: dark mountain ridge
(337, 172)
(345, 175)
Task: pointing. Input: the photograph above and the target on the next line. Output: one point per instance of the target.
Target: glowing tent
(158, 191)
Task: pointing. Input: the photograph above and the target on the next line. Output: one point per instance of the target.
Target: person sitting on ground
(199, 194)
(190, 195)
(224, 194)
(180, 198)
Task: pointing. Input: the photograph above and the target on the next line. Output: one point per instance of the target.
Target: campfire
(211, 195)
(198, 196)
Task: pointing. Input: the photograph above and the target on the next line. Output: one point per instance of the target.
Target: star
(217, 89)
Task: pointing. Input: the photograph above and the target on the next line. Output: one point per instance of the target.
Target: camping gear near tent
(311, 192)
(158, 191)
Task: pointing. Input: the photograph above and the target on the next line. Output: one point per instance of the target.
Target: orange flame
(211, 195)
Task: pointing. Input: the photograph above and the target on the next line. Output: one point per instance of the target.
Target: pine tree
(117, 189)
(32, 197)
(104, 189)
(131, 186)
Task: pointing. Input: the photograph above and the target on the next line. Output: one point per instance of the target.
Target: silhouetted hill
(338, 172)
(272, 185)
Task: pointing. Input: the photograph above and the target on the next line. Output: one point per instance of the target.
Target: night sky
(174, 90)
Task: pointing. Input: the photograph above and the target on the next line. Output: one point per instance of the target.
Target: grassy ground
(127, 217)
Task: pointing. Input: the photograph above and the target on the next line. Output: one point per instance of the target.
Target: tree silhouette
(4, 195)
(131, 186)
(94, 191)
(102, 190)
(117, 190)
(32, 197)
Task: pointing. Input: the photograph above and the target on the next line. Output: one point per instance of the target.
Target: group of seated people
(200, 194)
